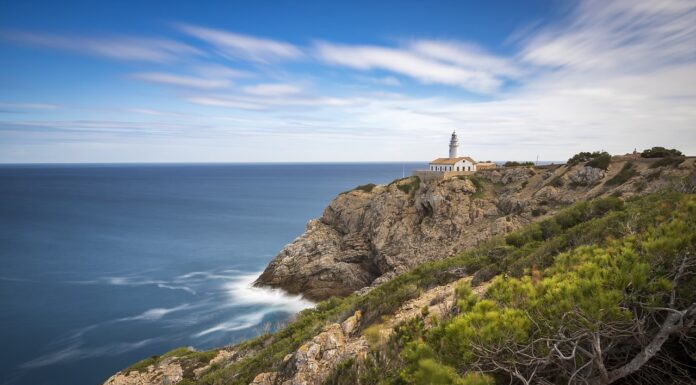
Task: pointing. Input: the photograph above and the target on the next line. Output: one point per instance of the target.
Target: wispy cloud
(18, 107)
(427, 61)
(241, 46)
(182, 81)
(619, 35)
(121, 48)
(273, 89)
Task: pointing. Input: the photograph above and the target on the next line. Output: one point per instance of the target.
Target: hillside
(367, 235)
(601, 290)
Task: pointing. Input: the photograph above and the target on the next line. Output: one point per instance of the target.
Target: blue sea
(104, 265)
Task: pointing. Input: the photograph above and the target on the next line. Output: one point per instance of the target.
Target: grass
(627, 172)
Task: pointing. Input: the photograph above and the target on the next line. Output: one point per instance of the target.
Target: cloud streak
(120, 48)
(245, 47)
(427, 61)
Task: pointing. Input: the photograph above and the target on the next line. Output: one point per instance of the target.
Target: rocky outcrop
(586, 176)
(166, 372)
(364, 235)
(316, 359)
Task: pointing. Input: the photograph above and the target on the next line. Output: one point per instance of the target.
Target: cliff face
(367, 235)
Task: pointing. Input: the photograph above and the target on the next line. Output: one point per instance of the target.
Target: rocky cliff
(367, 235)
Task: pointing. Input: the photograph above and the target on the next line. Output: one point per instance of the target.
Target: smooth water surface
(103, 265)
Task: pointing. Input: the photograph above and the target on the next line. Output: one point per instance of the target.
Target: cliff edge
(367, 235)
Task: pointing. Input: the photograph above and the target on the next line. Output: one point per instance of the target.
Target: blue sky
(280, 81)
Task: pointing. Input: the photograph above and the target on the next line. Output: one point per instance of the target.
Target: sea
(104, 265)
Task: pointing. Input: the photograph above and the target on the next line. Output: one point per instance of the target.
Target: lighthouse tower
(454, 144)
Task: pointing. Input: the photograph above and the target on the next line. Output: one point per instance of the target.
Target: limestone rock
(166, 372)
(267, 378)
(316, 359)
(586, 176)
(362, 236)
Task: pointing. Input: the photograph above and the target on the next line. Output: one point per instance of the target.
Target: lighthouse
(454, 144)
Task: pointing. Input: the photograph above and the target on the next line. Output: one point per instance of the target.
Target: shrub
(660, 152)
(366, 187)
(600, 161)
(409, 185)
(517, 164)
(515, 239)
(627, 172)
(586, 157)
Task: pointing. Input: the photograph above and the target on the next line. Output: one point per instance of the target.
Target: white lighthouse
(454, 144)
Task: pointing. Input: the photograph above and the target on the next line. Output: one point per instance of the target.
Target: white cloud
(621, 35)
(121, 48)
(243, 46)
(430, 62)
(273, 90)
(182, 81)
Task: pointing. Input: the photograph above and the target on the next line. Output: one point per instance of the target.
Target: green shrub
(586, 157)
(660, 152)
(600, 161)
(409, 185)
(517, 164)
(366, 187)
(515, 239)
(627, 172)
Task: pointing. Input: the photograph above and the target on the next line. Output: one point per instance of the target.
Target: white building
(454, 163)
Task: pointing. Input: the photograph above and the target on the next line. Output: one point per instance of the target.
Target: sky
(343, 81)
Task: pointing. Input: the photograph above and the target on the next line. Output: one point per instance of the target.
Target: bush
(366, 187)
(627, 172)
(517, 164)
(600, 161)
(586, 157)
(660, 152)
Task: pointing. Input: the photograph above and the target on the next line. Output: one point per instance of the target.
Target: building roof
(452, 160)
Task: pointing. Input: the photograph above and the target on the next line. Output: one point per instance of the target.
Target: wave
(155, 314)
(242, 293)
(76, 352)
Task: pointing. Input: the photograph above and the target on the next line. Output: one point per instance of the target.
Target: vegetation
(409, 185)
(600, 161)
(670, 161)
(517, 164)
(661, 152)
(614, 306)
(627, 172)
(583, 157)
(366, 187)
(580, 297)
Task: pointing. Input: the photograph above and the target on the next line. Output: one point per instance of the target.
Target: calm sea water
(103, 265)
